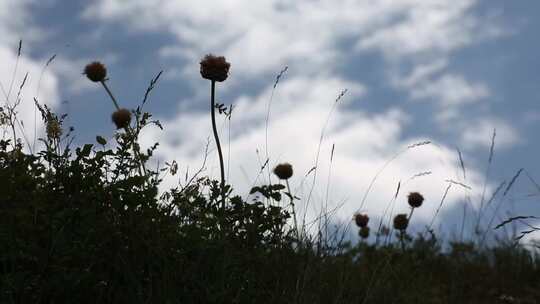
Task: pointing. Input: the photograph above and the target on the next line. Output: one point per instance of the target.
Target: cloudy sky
(448, 72)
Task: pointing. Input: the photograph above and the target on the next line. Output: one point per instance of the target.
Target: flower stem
(293, 210)
(216, 138)
(410, 215)
(111, 95)
(128, 130)
(401, 239)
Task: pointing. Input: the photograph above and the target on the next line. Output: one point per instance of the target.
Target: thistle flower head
(401, 222)
(53, 128)
(121, 118)
(364, 232)
(361, 220)
(415, 199)
(214, 68)
(95, 71)
(283, 171)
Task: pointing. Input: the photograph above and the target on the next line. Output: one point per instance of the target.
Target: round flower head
(364, 232)
(401, 222)
(415, 199)
(121, 118)
(214, 68)
(283, 171)
(95, 71)
(361, 220)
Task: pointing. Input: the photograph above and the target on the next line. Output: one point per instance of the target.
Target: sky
(412, 71)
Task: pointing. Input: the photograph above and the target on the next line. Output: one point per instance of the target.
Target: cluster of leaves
(89, 226)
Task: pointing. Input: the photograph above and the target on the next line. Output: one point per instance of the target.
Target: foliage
(88, 225)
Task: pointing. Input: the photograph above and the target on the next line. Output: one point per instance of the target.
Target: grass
(87, 225)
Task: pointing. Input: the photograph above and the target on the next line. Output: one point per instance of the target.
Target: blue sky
(445, 71)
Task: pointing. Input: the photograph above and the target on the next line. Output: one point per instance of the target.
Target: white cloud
(42, 84)
(425, 26)
(363, 144)
(451, 90)
(261, 38)
(430, 81)
(308, 37)
(14, 22)
(452, 93)
(479, 133)
(70, 71)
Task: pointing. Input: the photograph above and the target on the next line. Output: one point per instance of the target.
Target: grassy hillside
(88, 225)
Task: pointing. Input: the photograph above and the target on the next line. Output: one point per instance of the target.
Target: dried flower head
(214, 68)
(121, 118)
(53, 128)
(415, 199)
(283, 171)
(364, 232)
(361, 220)
(95, 71)
(401, 222)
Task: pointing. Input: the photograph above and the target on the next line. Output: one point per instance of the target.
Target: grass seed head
(214, 68)
(415, 199)
(53, 128)
(95, 71)
(283, 171)
(121, 118)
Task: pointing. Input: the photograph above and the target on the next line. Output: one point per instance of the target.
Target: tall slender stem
(293, 210)
(410, 214)
(110, 95)
(128, 130)
(216, 138)
(401, 236)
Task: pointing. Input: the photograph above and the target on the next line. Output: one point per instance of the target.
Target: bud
(415, 199)
(401, 222)
(95, 71)
(361, 220)
(214, 68)
(283, 171)
(364, 232)
(121, 118)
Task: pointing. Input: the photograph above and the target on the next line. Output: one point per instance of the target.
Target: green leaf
(277, 187)
(101, 140)
(254, 189)
(276, 196)
(85, 152)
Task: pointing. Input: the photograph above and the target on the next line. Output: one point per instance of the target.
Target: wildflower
(361, 220)
(95, 71)
(53, 128)
(214, 68)
(283, 171)
(364, 232)
(401, 222)
(415, 199)
(121, 118)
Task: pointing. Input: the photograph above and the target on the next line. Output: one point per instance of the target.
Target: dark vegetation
(88, 225)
